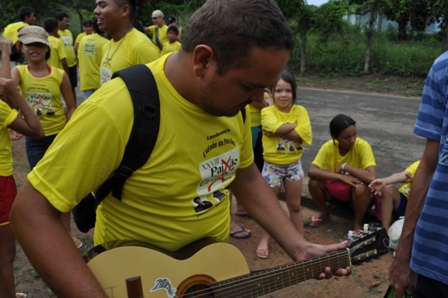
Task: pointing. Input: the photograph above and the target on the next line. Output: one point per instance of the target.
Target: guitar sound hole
(199, 291)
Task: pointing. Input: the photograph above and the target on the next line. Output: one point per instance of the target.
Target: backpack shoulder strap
(145, 98)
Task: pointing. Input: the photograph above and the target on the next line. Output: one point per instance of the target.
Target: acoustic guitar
(210, 269)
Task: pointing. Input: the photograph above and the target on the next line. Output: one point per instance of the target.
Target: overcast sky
(316, 2)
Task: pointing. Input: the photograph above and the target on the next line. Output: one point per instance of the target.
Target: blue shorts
(275, 174)
(401, 210)
(35, 149)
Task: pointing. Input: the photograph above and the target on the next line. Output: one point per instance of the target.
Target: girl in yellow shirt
(342, 171)
(286, 128)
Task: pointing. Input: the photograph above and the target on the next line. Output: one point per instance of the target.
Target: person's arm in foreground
(378, 184)
(262, 204)
(38, 227)
(401, 276)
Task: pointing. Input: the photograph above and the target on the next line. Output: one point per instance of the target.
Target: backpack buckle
(123, 172)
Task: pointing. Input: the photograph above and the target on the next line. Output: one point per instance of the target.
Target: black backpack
(145, 98)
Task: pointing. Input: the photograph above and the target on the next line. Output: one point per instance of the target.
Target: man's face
(108, 14)
(31, 19)
(63, 24)
(226, 95)
(172, 36)
(157, 20)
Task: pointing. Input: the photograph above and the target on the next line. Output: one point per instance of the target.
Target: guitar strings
(265, 277)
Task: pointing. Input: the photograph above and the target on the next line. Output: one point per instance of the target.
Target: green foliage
(329, 19)
(345, 55)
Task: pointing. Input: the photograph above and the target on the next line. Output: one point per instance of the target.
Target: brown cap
(30, 34)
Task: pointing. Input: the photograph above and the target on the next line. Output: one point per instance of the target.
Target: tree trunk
(369, 44)
(80, 20)
(302, 54)
(402, 23)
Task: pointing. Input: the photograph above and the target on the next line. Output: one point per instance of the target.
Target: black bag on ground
(145, 98)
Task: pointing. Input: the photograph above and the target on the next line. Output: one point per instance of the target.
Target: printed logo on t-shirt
(288, 146)
(40, 102)
(89, 49)
(67, 40)
(217, 171)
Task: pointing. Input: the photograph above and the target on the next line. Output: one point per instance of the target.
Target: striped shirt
(430, 247)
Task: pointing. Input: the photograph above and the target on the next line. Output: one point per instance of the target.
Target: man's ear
(203, 59)
(125, 11)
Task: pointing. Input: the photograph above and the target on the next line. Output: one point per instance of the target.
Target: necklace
(107, 59)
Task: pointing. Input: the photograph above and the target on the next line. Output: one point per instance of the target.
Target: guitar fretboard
(266, 281)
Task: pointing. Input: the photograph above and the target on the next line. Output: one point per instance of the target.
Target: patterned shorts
(275, 174)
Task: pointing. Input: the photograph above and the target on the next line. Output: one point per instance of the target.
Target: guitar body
(163, 275)
(210, 269)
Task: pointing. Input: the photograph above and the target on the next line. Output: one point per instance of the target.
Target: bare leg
(361, 200)
(293, 201)
(390, 199)
(234, 227)
(7, 255)
(320, 196)
(263, 246)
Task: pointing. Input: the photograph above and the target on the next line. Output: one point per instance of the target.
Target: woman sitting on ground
(342, 171)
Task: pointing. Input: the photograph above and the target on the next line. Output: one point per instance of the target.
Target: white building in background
(382, 22)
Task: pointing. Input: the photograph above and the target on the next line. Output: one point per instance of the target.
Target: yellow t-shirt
(134, 48)
(406, 187)
(255, 116)
(44, 97)
(170, 48)
(163, 34)
(281, 150)
(195, 158)
(360, 156)
(90, 54)
(7, 116)
(67, 39)
(12, 31)
(57, 52)
(80, 36)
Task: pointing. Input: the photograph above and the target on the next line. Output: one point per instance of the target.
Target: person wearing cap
(30, 126)
(158, 30)
(42, 86)
(128, 46)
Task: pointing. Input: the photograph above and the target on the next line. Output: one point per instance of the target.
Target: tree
(439, 11)
(372, 7)
(405, 11)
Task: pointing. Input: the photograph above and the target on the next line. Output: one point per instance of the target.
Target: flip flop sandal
(263, 253)
(234, 234)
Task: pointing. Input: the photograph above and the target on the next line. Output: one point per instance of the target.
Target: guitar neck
(266, 281)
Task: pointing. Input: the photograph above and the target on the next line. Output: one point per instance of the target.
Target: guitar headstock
(371, 245)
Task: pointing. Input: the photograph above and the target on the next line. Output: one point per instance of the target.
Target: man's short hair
(50, 24)
(132, 7)
(233, 27)
(158, 13)
(60, 16)
(174, 29)
(25, 11)
(87, 23)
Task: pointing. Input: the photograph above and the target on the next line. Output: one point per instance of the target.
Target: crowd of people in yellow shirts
(343, 172)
